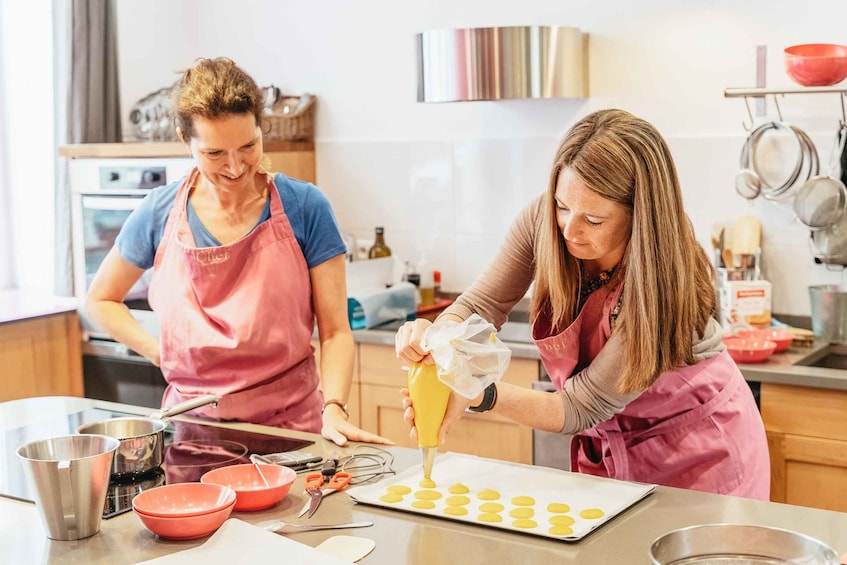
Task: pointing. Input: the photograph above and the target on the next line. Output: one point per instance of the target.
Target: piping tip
(428, 459)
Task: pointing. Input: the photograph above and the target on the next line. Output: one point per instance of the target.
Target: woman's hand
(407, 342)
(338, 430)
(456, 406)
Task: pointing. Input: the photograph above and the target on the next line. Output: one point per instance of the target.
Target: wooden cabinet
(807, 439)
(486, 435)
(41, 357)
(294, 158)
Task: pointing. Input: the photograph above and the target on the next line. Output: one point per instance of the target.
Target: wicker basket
(295, 124)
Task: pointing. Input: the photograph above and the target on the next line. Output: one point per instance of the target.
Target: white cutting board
(510, 480)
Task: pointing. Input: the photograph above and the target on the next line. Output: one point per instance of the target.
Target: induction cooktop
(191, 449)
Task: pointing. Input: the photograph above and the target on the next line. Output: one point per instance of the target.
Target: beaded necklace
(589, 285)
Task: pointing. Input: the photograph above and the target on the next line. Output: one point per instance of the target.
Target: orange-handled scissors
(313, 484)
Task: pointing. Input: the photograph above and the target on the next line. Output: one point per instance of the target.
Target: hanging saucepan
(142, 446)
(751, 180)
(822, 199)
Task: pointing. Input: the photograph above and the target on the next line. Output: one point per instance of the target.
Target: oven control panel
(132, 177)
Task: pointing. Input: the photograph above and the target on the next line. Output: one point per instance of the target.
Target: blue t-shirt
(307, 208)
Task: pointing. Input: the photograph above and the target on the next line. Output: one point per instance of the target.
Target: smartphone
(296, 460)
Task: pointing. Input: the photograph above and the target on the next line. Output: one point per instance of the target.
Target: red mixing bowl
(250, 492)
(781, 338)
(186, 527)
(816, 64)
(183, 500)
(744, 350)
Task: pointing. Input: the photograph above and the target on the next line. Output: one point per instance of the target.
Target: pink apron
(696, 427)
(237, 321)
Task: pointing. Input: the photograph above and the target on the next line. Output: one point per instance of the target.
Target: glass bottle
(379, 249)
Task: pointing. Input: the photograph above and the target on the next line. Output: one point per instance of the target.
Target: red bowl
(186, 527)
(250, 492)
(744, 350)
(816, 64)
(183, 500)
(781, 338)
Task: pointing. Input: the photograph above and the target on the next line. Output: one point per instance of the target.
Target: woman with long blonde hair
(622, 310)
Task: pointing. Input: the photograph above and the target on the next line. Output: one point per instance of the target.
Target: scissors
(314, 482)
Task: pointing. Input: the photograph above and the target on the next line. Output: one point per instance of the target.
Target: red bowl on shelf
(816, 64)
(781, 338)
(250, 492)
(744, 350)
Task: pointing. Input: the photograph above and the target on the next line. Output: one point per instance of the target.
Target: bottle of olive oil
(379, 249)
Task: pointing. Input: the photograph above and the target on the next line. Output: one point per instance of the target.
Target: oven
(104, 192)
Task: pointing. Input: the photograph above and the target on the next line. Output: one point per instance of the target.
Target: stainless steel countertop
(401, 537)
(516, 335)
(789, 368)
(782, 368)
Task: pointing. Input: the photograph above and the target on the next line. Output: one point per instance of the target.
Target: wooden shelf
(163, 149)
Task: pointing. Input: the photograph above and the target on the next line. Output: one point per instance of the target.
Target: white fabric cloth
(237, 542)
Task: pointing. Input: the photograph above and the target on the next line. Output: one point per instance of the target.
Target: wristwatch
(342, 405)
(489, 399)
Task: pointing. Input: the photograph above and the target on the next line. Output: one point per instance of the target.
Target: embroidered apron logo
(211, 256)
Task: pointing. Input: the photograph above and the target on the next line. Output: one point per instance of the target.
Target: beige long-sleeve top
(591, 395)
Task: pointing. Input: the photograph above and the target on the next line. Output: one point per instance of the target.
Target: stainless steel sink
(831, 357)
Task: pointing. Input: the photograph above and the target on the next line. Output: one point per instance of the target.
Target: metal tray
(510, 480)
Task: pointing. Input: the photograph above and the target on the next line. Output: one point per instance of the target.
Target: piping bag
(467, 357)
(429, 397)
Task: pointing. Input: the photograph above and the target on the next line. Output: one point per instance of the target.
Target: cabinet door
(808, 471)
(41, 357)
(296, 164)
(485, 435)
(807, 440)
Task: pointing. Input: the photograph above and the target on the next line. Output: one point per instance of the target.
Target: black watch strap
(489, 398)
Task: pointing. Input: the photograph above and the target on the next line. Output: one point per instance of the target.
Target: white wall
(446, 179)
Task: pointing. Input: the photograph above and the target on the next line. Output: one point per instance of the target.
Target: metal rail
(760, 93)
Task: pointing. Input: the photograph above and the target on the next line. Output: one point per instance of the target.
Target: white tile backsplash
(451, 202)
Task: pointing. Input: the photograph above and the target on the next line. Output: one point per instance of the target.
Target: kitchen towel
(237, 542)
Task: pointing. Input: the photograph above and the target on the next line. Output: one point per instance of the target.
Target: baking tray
(511, 480)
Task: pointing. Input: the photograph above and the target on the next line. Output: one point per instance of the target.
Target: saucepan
(739, 544)
(142, 440)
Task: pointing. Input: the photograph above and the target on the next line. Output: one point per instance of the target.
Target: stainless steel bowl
(738, 544)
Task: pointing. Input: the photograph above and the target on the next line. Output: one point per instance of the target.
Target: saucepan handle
(185, 406)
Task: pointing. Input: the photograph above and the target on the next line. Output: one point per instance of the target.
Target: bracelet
(342, 405)
(489, 399)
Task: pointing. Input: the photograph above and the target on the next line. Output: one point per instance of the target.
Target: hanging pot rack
(761, 93)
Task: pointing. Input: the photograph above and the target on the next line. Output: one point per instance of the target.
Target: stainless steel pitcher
(69, 476)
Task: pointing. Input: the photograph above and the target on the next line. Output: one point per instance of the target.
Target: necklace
(589, 285)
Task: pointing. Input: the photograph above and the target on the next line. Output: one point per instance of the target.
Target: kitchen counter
(401, 537)
(17, 305)
(516, 335)
(791, 367)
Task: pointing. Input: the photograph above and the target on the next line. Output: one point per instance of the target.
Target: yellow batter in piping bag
(429, 399)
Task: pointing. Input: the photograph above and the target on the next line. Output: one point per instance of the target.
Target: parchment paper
(510, 480)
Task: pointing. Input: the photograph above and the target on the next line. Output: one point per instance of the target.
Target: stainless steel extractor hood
(495, 63)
